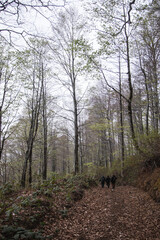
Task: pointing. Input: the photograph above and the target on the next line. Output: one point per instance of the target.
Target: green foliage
(48, 193)
(64, 212)
(5, 199)
(26, 201)
(2, 206)
(47, 188)
(14, 209)
(14, 233)
(68, 196)
(32, 201)
(29, 209)
(134, 165)
(6, 189)
(42, 191)
(95, 171)
(99, 126)
(90, 169)
(150, 146)
(33, 219)
(80, 179)
(74, 185)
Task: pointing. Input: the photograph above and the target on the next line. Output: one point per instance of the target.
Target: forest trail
(126, 213)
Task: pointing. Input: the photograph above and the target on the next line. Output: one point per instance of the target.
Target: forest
(79, 99)
(85, 96)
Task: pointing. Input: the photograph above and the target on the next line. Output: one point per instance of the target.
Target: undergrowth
(23, 212)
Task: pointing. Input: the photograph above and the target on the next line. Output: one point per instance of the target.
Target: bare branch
(14, 8)
(129, 18)
(16, 4)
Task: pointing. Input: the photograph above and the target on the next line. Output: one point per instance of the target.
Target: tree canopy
(84, 94)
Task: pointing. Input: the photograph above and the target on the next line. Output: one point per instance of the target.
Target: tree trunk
(30, 167)
(147, 92)
(24, 171)
(156, 97)
(45, 155)
(121, 120)
(76, 133)
(0, 133)
(5, 167)
(81, 148)
(110, 147)
(45, 149)
(130, 113)
(30, 141)
(76, 157)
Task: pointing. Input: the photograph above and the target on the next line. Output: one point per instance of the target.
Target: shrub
(6, 189)
(11, 232)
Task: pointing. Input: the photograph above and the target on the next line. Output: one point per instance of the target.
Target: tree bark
(130, 112)
(45, 149)
(32, 133)
(76, 133)
(76, 157)
(0, 133)
(121, 119)
(147, 92)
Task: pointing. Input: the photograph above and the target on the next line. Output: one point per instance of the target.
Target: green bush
(14, 233)
(14, 209)
(6, 189)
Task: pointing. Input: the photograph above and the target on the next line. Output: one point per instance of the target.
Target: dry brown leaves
(126, 213)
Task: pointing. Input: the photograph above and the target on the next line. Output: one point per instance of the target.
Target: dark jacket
(108, 180)
(102, 180)
(113, 179)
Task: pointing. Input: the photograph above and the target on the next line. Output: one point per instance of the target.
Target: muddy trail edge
(126, 213)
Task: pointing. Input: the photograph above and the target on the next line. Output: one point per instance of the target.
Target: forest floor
(127, 213)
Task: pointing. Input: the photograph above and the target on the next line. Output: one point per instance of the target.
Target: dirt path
(126, 213)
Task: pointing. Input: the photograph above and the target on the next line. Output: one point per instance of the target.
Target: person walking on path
(108, 180)
(102, 180)
(113, 181)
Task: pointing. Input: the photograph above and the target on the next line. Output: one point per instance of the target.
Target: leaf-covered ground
(126, 213)
(77, 209)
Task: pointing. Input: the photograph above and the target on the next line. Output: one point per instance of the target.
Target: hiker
(102, 180)
(113, 181)
(108, 180)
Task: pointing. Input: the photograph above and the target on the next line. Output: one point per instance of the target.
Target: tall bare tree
(9, 89)
(32, 63)
(116, 30)
(69, 53)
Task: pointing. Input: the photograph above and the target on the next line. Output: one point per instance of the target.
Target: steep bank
(149, 181)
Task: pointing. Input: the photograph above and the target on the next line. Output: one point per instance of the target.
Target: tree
(14, 16)
(33, 64)
(44, 117)
(121, 119)
(9, 85)
(147, 45)
(69, 52)
(116, 22)
(149, 63)
(99, 142)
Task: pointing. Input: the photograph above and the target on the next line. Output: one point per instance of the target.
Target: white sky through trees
(36, 22)
(30, 22)
(18, 21)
